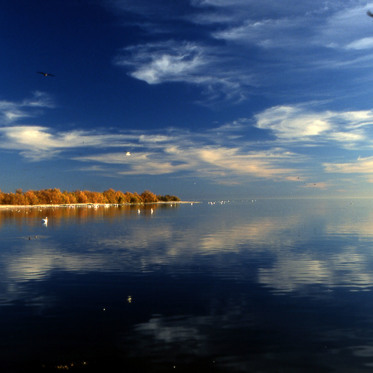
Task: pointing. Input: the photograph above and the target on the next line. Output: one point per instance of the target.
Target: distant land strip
(54, 197)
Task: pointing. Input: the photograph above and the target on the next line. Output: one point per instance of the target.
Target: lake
(242, 286)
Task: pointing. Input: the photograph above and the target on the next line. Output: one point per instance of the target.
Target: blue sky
(197, 98)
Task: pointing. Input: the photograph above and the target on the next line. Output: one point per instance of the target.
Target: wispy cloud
(38, 99)
(223, 37)
(271, 24)
(39, 143)
(360, 166)
(320, 185)
(266, 33)
(227, 152)
(186, 62)
(168, 61)
(364, 43)
(345, 26)
(11, 111)
(297, 123)
(201, 160)
(168, 151)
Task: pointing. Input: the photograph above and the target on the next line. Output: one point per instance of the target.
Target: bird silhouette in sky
(370, 14)
(45, 74)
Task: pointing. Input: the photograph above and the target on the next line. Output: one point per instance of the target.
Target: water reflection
(32, 216)
(192, 287)
(246, 334)
(326, 245)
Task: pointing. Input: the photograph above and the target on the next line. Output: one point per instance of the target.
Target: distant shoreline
(7, 207)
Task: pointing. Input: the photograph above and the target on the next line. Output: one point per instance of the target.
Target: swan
(45, 220)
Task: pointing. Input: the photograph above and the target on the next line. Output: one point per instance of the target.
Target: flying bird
(45, 74)
(369, 13)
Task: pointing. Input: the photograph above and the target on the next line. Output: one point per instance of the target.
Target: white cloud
(348, 137)
(291, 122)
(38, 143)
(217, 153)
(187, 62)
(39, 99)
(347, 28)
(364, 43)
(268, 23)
(156, 63)
(150, 138)
(140, 163)
(319, 185)
(11, 111)
(167, 61)
(258, 164)
(266, 33)
(295, 123)
(237, 32)
(360, 166)
(270, 8)
(191, 155)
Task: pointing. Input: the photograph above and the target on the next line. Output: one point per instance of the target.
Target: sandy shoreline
(7, 207)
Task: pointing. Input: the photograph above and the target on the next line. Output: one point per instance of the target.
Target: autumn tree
(98, 197)
(110, 195)
(31, 198)
(19, 198)
(168, 198)
(55, 196)
(43, 197)
(135, 198)
(69, 197)
(80, 196)
(148, 197)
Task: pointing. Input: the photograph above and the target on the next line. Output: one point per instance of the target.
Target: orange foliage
(55, 197)
(148, 196)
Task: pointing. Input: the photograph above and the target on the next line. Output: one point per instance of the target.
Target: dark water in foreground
(268, 286)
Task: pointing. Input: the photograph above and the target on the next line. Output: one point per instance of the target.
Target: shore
(7, 207)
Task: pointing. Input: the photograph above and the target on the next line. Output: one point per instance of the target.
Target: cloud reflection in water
(320, 245)
(199, 276)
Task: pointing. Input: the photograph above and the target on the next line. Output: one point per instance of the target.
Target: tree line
(54, 196)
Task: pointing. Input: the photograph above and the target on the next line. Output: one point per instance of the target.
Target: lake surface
(244, 286)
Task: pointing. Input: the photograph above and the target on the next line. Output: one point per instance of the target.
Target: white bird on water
(151, 211)
(45, 220)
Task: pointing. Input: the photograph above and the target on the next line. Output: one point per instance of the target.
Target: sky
(197, 98)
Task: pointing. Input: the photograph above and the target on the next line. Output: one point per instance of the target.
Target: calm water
(262, 286)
